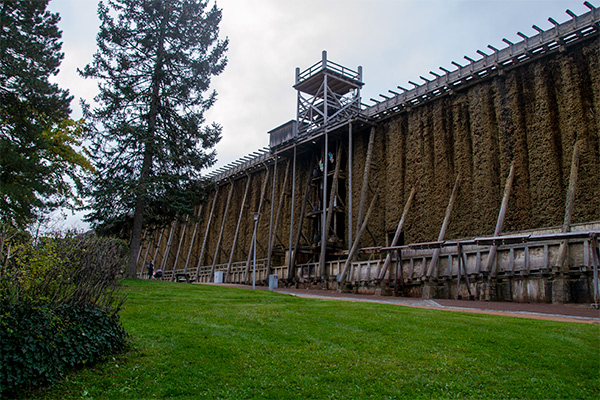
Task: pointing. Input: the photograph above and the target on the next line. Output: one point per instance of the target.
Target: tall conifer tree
(41, 164)
(155, 61)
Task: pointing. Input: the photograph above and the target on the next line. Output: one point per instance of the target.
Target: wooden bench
(183, 278)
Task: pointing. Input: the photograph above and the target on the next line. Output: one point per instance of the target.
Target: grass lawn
(192, 341)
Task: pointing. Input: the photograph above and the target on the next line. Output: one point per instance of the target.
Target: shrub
(59, 304)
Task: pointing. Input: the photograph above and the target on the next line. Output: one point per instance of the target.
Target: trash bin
(273, 281)
(219, 276)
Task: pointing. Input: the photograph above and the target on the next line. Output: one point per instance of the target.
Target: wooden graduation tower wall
(479, 181)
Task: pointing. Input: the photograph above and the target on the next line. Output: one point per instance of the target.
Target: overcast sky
(393, 40)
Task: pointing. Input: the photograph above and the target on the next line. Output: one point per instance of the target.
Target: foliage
(199, 341)
(41, 167)
(155, 61)
(72, 270)
(39, 344)
(59, 301)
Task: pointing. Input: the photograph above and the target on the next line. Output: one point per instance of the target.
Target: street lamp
(256, 215)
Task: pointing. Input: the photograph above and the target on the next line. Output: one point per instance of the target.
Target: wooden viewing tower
(329, 102)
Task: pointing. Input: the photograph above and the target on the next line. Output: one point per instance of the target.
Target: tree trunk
(140, 204)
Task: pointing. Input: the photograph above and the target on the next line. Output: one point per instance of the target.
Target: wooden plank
(433, 267)
(388, 258)
(354, 250)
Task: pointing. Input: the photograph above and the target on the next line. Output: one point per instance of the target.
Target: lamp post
(256, 215)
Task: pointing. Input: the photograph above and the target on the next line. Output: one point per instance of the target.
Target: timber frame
(303, 186)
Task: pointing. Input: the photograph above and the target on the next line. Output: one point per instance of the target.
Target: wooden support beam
(491, 264)
(365, 186)
(334, 189)
(354, 250)
(324, 201)
(292, 208)
(274, 236)
(208, 226)
(349, 208)
(163, 264)
(192, 240)
(292, 265)
(462, 262)
(388, 258)
(569, 204)
(433, 270)
(259, 211)
(148, 249)
(223, 221)
(181, 240)
(237, 227)
(270, 244)
(157, 246)
(137, 259)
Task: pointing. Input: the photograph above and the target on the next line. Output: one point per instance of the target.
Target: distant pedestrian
(150, 267)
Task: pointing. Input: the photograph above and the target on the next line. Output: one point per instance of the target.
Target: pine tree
(40, 161)
(155, 61)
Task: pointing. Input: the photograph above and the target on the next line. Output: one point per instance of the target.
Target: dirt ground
(580, 313)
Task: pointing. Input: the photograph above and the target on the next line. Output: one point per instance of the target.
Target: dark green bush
(39, 344)
(59, 304)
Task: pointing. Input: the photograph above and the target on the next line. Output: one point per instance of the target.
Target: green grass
(191, 341)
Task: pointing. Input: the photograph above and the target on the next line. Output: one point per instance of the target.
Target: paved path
(581, 313)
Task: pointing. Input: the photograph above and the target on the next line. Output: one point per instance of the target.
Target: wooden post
(208, 226)
(148, 250)
(278, 215)
(354, 250)
(388, 258)
(157, 246)
(365, 186)
(214, 264)
(163, 264)
(349, 202)
(324, 199)
(137, 260)
(569, 204)
(270, 244)
(292, 208)
(334, 190)
(292, 265)
(237, 228)
(462, 262)
(491, 263)
(187, 260)
(436, 253)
